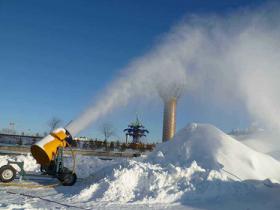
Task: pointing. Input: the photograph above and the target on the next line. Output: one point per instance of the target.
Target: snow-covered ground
(202, 168)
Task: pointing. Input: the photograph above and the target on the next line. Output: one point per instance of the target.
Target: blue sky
(55, 56)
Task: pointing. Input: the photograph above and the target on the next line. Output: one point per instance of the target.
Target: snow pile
(134, 181)
(213, 149)
(143, 182)
(201, 163)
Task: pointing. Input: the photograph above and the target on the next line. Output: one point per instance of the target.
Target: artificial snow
(201, 164)
(212, 149)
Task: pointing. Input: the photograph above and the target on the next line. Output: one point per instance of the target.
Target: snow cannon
(48, 152)
(45, 150)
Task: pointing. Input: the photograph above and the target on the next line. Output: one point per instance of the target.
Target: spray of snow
(227, 59)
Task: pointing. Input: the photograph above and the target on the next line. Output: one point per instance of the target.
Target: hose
(72, 152)
(232, 174)
(73, 157)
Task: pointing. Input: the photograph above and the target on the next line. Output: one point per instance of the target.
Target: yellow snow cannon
(48, 152)
(45, 150)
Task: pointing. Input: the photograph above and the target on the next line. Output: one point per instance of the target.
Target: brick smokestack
(169, 118)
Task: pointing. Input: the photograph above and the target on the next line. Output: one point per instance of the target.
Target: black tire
(68, 179)
(7, 173)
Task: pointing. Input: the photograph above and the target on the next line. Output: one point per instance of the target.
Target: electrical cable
(45, 199)
(232, 174)
(31, 186)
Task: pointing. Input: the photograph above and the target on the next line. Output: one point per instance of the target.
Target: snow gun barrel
(45, 150)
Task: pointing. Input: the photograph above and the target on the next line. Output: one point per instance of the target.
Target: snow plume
(226, 59)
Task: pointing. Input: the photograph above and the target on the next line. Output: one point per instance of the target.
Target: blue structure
(136, 130)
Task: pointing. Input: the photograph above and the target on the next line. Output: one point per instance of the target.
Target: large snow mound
(213, 149)
(201, 162)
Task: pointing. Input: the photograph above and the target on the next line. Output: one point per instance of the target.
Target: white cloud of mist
(224, 58)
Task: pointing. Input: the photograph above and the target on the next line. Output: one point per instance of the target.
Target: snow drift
(214, 150)
(201, 162)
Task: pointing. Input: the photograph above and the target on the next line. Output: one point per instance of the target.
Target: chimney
(169, 118)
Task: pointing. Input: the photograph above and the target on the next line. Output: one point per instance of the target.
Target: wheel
(68, 179)
(7, 173)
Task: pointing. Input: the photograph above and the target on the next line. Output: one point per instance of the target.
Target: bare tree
(54, 123)
(107, 130)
